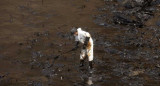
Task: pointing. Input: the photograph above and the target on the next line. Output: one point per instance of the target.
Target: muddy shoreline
(126, 36)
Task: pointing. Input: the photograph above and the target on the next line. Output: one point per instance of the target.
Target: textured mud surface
(126, 34)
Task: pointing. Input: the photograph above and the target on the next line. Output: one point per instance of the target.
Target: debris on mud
(136, 45)
(135, 73)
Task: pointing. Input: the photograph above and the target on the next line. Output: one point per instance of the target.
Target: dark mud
(126, 34)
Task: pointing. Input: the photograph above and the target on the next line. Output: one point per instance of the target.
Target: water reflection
(90, 82)
(86, 77)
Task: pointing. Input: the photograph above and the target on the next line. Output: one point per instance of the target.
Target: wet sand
(33, 32)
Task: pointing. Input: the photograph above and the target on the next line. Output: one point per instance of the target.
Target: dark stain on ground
(126, 34)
